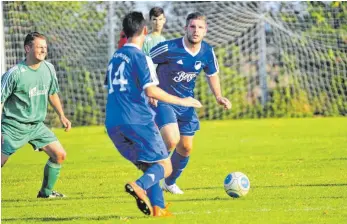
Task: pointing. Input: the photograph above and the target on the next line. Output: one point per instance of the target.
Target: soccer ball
(236, 184)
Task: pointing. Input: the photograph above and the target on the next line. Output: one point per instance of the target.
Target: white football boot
(173, 189)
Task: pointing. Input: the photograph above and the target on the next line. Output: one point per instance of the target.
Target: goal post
(2, 42)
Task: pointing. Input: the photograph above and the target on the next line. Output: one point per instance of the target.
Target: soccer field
(297, 169)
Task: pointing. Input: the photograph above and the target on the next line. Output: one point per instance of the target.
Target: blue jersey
(130, 71)
(178, 67)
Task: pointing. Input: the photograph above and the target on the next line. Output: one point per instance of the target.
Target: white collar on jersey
(132, 45)
(186, 48)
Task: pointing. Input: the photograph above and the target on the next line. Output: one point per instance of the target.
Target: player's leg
(52, 169)
(4, 159)
(155, 193)
(156, 170)
(180, 157)
(171, 135)
(166, 121)
(142, 145)
(43, 139)
(13, 137)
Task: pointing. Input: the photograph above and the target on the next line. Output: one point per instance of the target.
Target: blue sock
(151, 176)
(155, 195)
(178, 164)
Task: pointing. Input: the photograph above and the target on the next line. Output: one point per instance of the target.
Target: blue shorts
(139, 143)
(185, 117)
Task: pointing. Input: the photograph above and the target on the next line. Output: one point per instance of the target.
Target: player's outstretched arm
(214, 84)
(159, 94)
(56, 104)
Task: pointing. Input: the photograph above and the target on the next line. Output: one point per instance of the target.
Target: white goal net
(276, 59)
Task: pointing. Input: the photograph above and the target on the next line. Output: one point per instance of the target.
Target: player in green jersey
(157, 18)
(26, 90)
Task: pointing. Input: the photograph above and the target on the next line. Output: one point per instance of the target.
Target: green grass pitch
(297, 169)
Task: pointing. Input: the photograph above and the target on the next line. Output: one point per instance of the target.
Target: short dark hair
(195, 15)
(32, 36)
(156, 11)
(133, 23)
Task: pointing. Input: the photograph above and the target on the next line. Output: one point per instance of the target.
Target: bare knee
(56, 152)
(167, 167)
(4, 159)
(60, 157)
(185, 147)
(171, 135)
(171, 143)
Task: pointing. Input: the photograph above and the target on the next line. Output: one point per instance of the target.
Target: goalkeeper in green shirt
(26, 90)
(157, 19)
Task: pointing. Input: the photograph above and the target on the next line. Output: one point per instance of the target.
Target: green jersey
(24, 93)
(150, 41)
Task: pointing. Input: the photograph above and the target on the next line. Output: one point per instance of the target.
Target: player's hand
(66, 123)
(191, 102)
(224, 102)
(153, 101)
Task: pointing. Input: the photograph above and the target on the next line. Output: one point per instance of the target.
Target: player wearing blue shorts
(129, 119)
(179, 63)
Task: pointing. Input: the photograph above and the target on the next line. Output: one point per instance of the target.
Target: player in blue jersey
(129, 119)
(179, 62)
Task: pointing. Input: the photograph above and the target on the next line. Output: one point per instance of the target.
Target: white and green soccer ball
(236, 184)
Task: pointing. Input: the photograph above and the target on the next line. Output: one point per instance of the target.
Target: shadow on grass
(72, 198)
(341, 158)
(62, 219)
(201, 199)
(303, 185)
(272, 186)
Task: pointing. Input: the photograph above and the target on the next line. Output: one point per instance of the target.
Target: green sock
(50, 176)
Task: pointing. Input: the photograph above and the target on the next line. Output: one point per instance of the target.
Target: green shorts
(17, 135)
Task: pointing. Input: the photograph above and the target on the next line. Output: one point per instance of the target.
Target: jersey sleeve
(159, 53)
(147, 75)
(54, 88)
(211, 67)
(8, 83)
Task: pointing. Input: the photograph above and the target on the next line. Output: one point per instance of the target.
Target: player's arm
(214, 83)
(54, 99)
(149, 81)
(8, 83)
(211, 71)
(159, 94)
(56, 104)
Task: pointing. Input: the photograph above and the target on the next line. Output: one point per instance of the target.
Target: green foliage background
(78, 47)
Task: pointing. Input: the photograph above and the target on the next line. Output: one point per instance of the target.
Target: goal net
(276, 59)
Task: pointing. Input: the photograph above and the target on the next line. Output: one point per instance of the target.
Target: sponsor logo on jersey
(181, 76)
(197, 65)
(36, 92)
